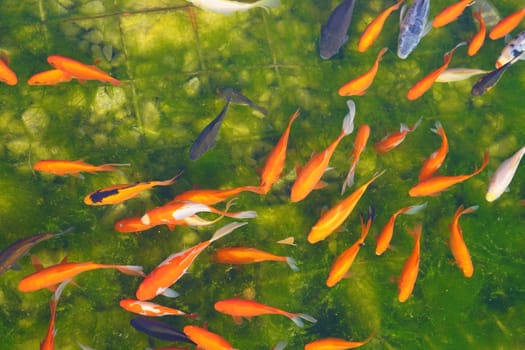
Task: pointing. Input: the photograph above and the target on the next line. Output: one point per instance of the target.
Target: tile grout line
(193, 19)
(275, 65)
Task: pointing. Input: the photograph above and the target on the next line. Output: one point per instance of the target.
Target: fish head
(331, 45)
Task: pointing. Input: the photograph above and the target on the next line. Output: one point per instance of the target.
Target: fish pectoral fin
(319, 185)
(427, 28)
(237, 319)
(170, 293)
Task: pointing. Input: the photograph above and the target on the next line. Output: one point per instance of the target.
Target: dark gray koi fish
(489, 80)
(334, 31)
(10, 256)
(412, 27)
(159, 330)
(239, 99)
(208, 135)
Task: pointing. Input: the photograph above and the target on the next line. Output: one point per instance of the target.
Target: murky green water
(171, 70)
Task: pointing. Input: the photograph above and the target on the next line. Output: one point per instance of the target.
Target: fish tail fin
(469, 210)
(132, 270)
(437, 129)
(298, 319)
(349, 181)
(483, 165)
(414, 209)
(60, 289)
(292, 263)
(280, 345)
(67, 230)
(414, 127)
(255, 189)
(348, 122)
(111, 166)
(266, 4)
(223, 231)
(172, 180)
(294, 116)
(416, 231)
(381, 53)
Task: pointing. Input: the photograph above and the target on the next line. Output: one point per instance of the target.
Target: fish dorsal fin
(5, 58)
(402, 14)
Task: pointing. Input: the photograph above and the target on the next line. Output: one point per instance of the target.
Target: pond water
(171, 59)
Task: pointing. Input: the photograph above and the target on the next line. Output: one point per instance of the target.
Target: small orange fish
(207, 340)
(275, 162)
(411, 268)
(424, 84)
(450, 13)
(173, 212)
(479, 38)
(309, 176)
(336, 344)
(72, 167)
(120, 193)
(457, 244)
(81, 71)
(385, 237)
(359, 145)
(436, 159)
(435, 185)
(175, 266)
(333, 218)
(239, 308)
(50, 77)
(212, 196)
(49, 341)
(507, 24)
(146, 308)
(359, 85)
(372, 31)
(52, 275)
(6, 74)
(242, 255)
(343, 262)
(393, 140)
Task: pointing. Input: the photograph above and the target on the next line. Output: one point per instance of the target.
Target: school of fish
(184, 208)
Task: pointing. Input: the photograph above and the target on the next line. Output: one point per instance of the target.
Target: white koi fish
(413, 26)
(227, 7)
(503, 175)
(515, 48)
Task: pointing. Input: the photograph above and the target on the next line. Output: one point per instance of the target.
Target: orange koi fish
(343, 262)
(49, 341)
(336, 344)
(411, 267)
(72, 167)
(333, 218)
(275, 162)
(424, 84)
(435, 185)
(457, 244)
(174, 266)
(359, 85)
(308, 177)
(359, 145)
(146, 308)
(6, 74)
(207, 340)
(173, 212)
(242, 255)
(120, 193)
(81, 71)
(52, 275)
(372, 31)
(436, 159)
(239, 308)
(134, 224)
(479, 38)
(450, 13)
(507, 24)
(50, 77)
(212, 196)
(393, 140)
(385, 237)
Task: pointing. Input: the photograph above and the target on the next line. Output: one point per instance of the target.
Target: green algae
(171, 66)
